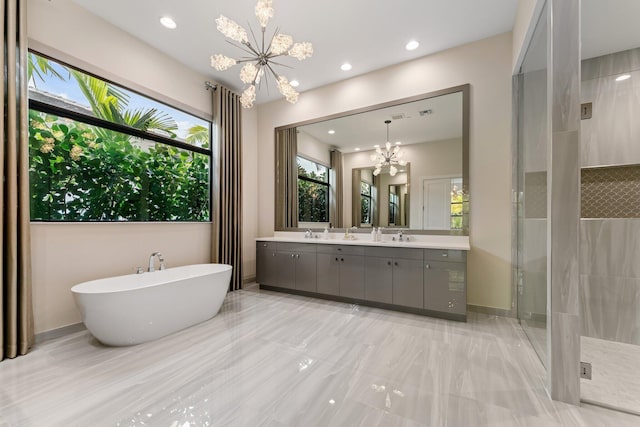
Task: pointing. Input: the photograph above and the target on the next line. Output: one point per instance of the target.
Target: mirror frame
(464, 89)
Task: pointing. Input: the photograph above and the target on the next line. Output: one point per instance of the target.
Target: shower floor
(615, 379)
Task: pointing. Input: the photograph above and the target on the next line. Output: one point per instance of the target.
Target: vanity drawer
(444, 255)
(404, 253)
(296, 247)
(340, 249)
(267, 245)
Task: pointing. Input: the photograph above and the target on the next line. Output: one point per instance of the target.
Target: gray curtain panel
(286, 178)
(338, 206)
(16, 313)
(356, 210)
(227, 209)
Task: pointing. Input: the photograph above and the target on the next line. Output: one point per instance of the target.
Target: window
(313, 191)
(456, 203)
(366, 212)
(99, 152)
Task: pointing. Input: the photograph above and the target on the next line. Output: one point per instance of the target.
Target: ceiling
(609, 26)
(407, 126)
(369, 34)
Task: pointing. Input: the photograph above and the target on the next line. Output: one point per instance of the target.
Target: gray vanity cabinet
(379, 279)
(266, 268)
(296, 266)
(394, 276)
(425, 281)
(341, 271)
(445, 287)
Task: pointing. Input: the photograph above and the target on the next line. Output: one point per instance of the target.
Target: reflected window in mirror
(313, 191)
(366, 213)
(456, 203)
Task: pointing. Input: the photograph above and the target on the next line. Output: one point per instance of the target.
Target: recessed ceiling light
(398, 142)
(357, 149)
(376, 146)
(412, 45)
(168, 22)
(331, 132)
(345, 67)
(294, 83)
(623, 77)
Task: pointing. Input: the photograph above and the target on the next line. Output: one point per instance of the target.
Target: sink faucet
(308, 234)
(400, 238)
(151, 266)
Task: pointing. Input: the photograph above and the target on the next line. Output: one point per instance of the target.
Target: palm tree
(107, 102)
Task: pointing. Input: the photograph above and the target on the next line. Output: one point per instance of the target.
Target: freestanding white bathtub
(137, 308)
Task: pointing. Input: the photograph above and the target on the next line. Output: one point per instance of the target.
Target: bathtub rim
(97, 286)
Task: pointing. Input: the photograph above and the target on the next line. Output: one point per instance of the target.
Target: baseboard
(59, 332)
(249, 279)
(491, 311)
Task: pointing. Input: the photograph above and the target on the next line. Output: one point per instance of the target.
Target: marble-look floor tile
(274, 360)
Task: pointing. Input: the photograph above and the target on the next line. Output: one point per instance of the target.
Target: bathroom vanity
(426, 276)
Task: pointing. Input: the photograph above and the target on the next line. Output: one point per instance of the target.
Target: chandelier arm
(253, 34)
(281, 64)
(242, 47)
(272, 72)
(273, 36)
(258, 68)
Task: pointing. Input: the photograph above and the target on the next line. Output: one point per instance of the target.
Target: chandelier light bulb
(248, 97)
(249, 73)
(388, 145)
(231, 29)
(280, 44)
(221, 62)
(264, 12)
(301, 51)
(377, 172)
(392, 170)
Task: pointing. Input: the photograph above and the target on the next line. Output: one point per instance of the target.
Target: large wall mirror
(402, 164)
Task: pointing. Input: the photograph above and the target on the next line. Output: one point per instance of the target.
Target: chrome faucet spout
(151, 258)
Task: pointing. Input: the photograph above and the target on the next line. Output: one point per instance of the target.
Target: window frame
(369, 199)
(326, 184)
(91, 120)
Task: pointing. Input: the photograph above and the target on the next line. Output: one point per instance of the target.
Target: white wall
(486, 66)
(65, 254)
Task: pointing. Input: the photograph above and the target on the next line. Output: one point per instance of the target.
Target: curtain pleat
(338, 204)
(16, 313)
(356, 211)
(227, 211)
(286, 178)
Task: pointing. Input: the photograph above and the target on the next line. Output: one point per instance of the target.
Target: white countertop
(421, 241)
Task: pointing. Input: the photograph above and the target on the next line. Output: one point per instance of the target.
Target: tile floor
(271, 359)
(615, 378)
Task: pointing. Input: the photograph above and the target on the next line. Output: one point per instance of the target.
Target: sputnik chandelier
(261, 56)
(388, 157)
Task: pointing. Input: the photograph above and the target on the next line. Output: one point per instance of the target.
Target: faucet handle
(139, 270)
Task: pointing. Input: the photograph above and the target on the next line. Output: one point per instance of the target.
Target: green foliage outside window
(313, 191)
(86, 173)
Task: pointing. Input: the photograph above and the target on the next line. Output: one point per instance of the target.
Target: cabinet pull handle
(342, 259)
(273, 254)
(297, 255)
(395, 263)
(336, 258)
(388, 262)
(293, 255)
(444, 254)
(427, 266)
(339, 249)
(264, 245)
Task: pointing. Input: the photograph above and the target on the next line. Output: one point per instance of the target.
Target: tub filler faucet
(151, 266)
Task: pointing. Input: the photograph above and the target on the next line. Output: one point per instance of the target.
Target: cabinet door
(378, 279)
(408, 289)
(352, 276)
(286, 266)
(445, 287)
(266, 268)
(328, 274)
(306, 271)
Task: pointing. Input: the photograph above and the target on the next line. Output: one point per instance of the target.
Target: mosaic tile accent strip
(611, 192)
(535, 195)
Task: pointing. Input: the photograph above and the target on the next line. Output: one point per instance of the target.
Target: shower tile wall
(610, 228)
